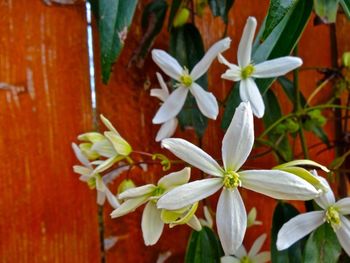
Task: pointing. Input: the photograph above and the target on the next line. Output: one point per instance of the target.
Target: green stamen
(158, 191)
(231, 180)
(245, 259)
(186, 78)
(332, 217)
(247, 71)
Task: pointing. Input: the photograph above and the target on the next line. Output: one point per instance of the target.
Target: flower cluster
(173, 200)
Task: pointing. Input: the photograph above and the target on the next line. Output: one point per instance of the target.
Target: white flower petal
(193, 155)
(224, 61)
(344, 206)
(129, 206)
(87, 172)
(112, 200)
(120, 145)
(245, 45)
(101, 197)
(80, 156)
(194, 223)
(241, 252)
(106, 164)
(298, 227)
(190, 193)
(231, 220)
(343, 234)
(203, 65)
(108, 124)
(167, 129)
(206, 101)
(167, 63)
(277, 184)
(151, 224)
(232, 74)
(262, 257)
(276, 67)
(229, 259)
(100, 186)
(248, 91)
(104, 148)
(326, 198)
(137, 191)
(171, 106)
(239, 138)
(257, 245)
(175, 179)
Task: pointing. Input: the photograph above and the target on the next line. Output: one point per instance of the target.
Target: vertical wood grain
(47, 214)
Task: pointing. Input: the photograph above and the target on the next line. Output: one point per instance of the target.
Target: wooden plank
(126, 102)
(47, 215)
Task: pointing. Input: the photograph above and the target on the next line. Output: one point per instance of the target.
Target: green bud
(346, 59)
(280, 128)
(291, 125)
(125, 185)
(91, 137)
(181, 17)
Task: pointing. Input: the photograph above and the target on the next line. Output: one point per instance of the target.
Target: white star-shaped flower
(332, 212)
(253, 256)
(168, 128)
(231, 217)
(246, 70)
(206, 101)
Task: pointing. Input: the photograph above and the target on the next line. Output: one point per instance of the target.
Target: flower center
(186, 78)
(247, 71)
(332, 217)
(158, 191)
(245, 259)
(231, 180)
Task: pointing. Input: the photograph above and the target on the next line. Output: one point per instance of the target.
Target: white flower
(231, 217)
(246, 71)
(94, 180)
(252, 256)
(333, 213)
(152, 218)
(168, 128)
(206, 101)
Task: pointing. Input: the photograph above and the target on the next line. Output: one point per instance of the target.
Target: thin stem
(319, 88)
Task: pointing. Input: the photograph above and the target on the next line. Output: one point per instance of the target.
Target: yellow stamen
(245, 259)
(186, 78)
(332, 217)
(231, 180)
(247, 71)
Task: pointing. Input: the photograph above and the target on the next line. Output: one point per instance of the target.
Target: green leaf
(289, 89)
(322, 246)
(326, 10)
(283, 212)
(175, 6)
(277, 10)
(187, 47)
(152, 22)
(114, 19)
(345, 4)
(203, 247)
(280, 42)
(272, 114)
(221, 8)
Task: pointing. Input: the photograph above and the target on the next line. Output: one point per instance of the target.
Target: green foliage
(174, 8)
(345, 4)
(326, 10)
(114, 19)
(187, 47)
(203, 247)
(322, 246)
(283, 212)
(221, 8)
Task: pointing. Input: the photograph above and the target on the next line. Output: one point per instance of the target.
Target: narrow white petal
(137, 191)
(162, 83)
(262, 257)
(239, 138)
(229, 259)
(203, 65)
(245, 45)
(257, 245)
(167, 63)
(232, 74)
(80, 156)
(104, 148)
(167, 129)
(87, 172)
(326, 198)
(175, 179)
(194, 223)
(172, 106)
(343, 234)
(100, 186)
(190, 193)
(129, 206)
(108, 124)
(276, 67)
(241, 252)
(106, 164)
(344, 206)
(231, 220)
(298, 227)
(206, 101)
(111, 198)
(151, 224)
(193, 155)
(248, 91)
(224, 61)
(101, 197)
(278, 184)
